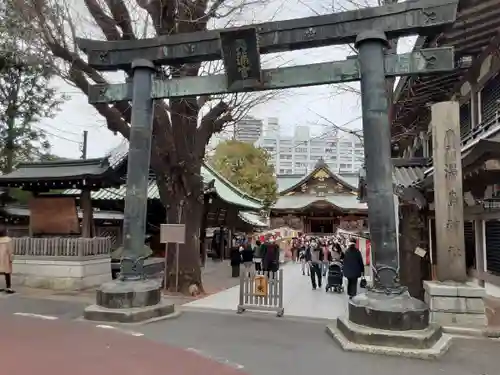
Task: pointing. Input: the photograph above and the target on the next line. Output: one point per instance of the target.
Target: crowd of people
(314, 253)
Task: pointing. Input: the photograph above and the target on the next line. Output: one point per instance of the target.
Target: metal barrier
(261, 292)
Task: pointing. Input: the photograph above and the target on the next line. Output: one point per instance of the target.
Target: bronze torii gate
(240, 50)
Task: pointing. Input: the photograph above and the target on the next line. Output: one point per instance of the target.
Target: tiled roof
(253, 219)
(287, 181)
(224, 189)
(295, 202)
(57, 170)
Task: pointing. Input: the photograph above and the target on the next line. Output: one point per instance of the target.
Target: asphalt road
(61, 309)
(273, 346)
(267, 345)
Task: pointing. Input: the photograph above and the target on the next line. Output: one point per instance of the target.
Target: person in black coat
(270, 257)
(353, 267)
(247, 254)
(235, 256)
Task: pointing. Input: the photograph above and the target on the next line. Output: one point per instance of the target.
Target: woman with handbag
(354, 267)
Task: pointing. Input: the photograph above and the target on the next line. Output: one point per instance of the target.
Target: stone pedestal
(395, 324)
(492, 311)
(455, 304)
(128, 302)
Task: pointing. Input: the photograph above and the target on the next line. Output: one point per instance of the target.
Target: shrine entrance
(322, 225)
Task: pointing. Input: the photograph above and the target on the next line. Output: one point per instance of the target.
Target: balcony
(490, 124)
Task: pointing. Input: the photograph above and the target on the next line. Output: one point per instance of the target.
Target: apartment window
(269, 149)
(346, 144)
(300, 157)
(317, 150)
(285, 142)
(358, 145)
(300, 165)
(301, 150)
(285, 149)
(270, 142)
(330, 150)
(285, 157)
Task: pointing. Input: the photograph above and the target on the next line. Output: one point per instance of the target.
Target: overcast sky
(313, 106)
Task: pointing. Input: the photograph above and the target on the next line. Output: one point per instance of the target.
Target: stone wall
(455, 304)
(61, 273)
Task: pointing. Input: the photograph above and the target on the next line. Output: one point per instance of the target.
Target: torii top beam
(396, 20)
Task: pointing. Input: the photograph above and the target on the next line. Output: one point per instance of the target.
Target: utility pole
(84, 144)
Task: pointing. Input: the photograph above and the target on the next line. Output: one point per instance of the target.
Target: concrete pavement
(299, 299)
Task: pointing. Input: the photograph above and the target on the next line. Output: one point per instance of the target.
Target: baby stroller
(335, 278)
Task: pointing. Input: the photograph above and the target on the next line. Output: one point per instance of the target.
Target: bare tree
(182, 127)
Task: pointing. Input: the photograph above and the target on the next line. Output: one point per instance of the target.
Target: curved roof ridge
(229, 184)
(321, 164)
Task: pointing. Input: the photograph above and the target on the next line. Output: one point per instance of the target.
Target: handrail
(482, 128)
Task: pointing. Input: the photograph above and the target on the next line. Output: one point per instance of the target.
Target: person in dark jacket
(257, 256)
(270, 257)
(247, 253)
(353, 267)
(235, 256)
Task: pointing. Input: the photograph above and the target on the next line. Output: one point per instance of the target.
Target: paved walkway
(299, 299)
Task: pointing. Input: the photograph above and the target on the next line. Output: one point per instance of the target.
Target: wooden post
(87, 220)
(448, 193)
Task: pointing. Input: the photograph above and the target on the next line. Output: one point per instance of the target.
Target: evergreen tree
(26, 96)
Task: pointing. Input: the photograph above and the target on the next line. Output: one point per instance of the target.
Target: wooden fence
(260, 291)
(62, 246)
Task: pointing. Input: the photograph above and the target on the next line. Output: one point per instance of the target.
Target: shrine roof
(221, 186)
(340, 202)
(60, 170)
(254, 219)
(287, 183)
(475, 28)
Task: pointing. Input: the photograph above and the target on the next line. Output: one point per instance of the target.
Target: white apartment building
(299, 153)
(248, 129)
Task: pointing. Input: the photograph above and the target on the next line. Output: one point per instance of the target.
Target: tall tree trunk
(181, 192)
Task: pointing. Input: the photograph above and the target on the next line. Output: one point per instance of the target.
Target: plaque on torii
(240, 50)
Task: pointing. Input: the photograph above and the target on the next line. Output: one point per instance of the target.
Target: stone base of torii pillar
(389, 324)
(130, 302)
(385, 319)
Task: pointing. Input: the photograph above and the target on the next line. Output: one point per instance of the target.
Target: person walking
(302, 258)
(315, 257)
(353, 267)
(6, 258)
